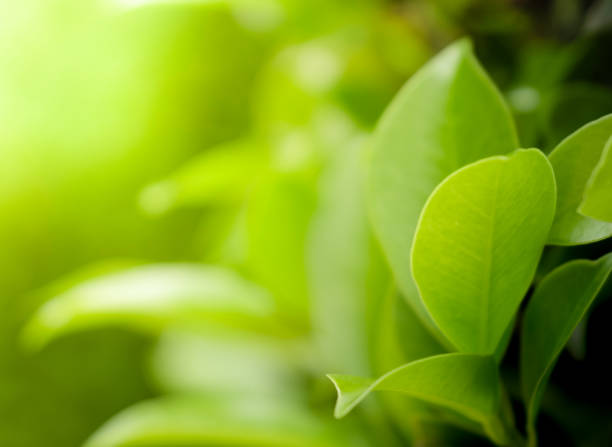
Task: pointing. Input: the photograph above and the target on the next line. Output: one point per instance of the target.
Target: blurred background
(185, 177)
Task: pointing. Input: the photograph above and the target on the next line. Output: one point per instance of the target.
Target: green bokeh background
(99, 99)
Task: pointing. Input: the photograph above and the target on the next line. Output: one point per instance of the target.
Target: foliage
(236, 205)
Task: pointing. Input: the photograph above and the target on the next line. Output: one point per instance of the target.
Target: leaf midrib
(485, 297)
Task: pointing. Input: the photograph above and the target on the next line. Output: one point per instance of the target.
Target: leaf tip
(338, 410)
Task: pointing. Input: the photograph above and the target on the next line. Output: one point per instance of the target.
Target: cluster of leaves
(480, 220)
(462, 216)
(294, 283)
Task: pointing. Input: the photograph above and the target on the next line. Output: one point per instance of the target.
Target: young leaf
(468, 384)
(150, 297)
(478, 243)
(557, 306)
(192, 420)
(573, 161)
(448, 115)
(597, 201)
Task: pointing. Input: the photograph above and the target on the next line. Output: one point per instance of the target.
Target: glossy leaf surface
(573, 161)
(449, 114)
(597, 201)
(468, 384)
(557, 306)
(478, 243)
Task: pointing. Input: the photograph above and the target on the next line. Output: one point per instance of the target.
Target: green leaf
(278, 219)
(228, 362)
(221, 174)
(149, 298)
(448, 115)
(557, 306)
(401, 338)
(478, 243)
(347, 276)
(194, 421)
(573, 161)
(468, 384)
(597, 202)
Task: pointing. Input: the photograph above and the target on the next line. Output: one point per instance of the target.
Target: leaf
(448, 115)
(468, 384)
(151, 297)
(192, 420)
(348, 279)
(402, 338)
(573, 161)
(478, 243)
(278, 219)
(570, 106)
(229, 362)
(557, 306)
(597, 201)
(220, 174)
(347, 275)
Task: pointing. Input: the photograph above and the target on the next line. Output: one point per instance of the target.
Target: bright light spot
(293, 151)
(524, 99)
(334, 126)
(129, 4)
(157, 199)
(317, 68)
(258, 15)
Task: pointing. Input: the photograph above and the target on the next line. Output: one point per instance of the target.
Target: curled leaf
(468, 384)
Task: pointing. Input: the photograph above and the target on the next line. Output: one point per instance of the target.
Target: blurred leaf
(597, 201)
(228, 363)
(151, 297)
(195, 421)
(478, 243)
(545, 64)
(557, 306)
(294, 85)
(278, 219)
(448, 115)
(400, 337)
(598, 17)
(223, 237)
(255, 15)
(468, 384)
(570, 106)
(223, 173)
(346, 276)
(573, 161)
